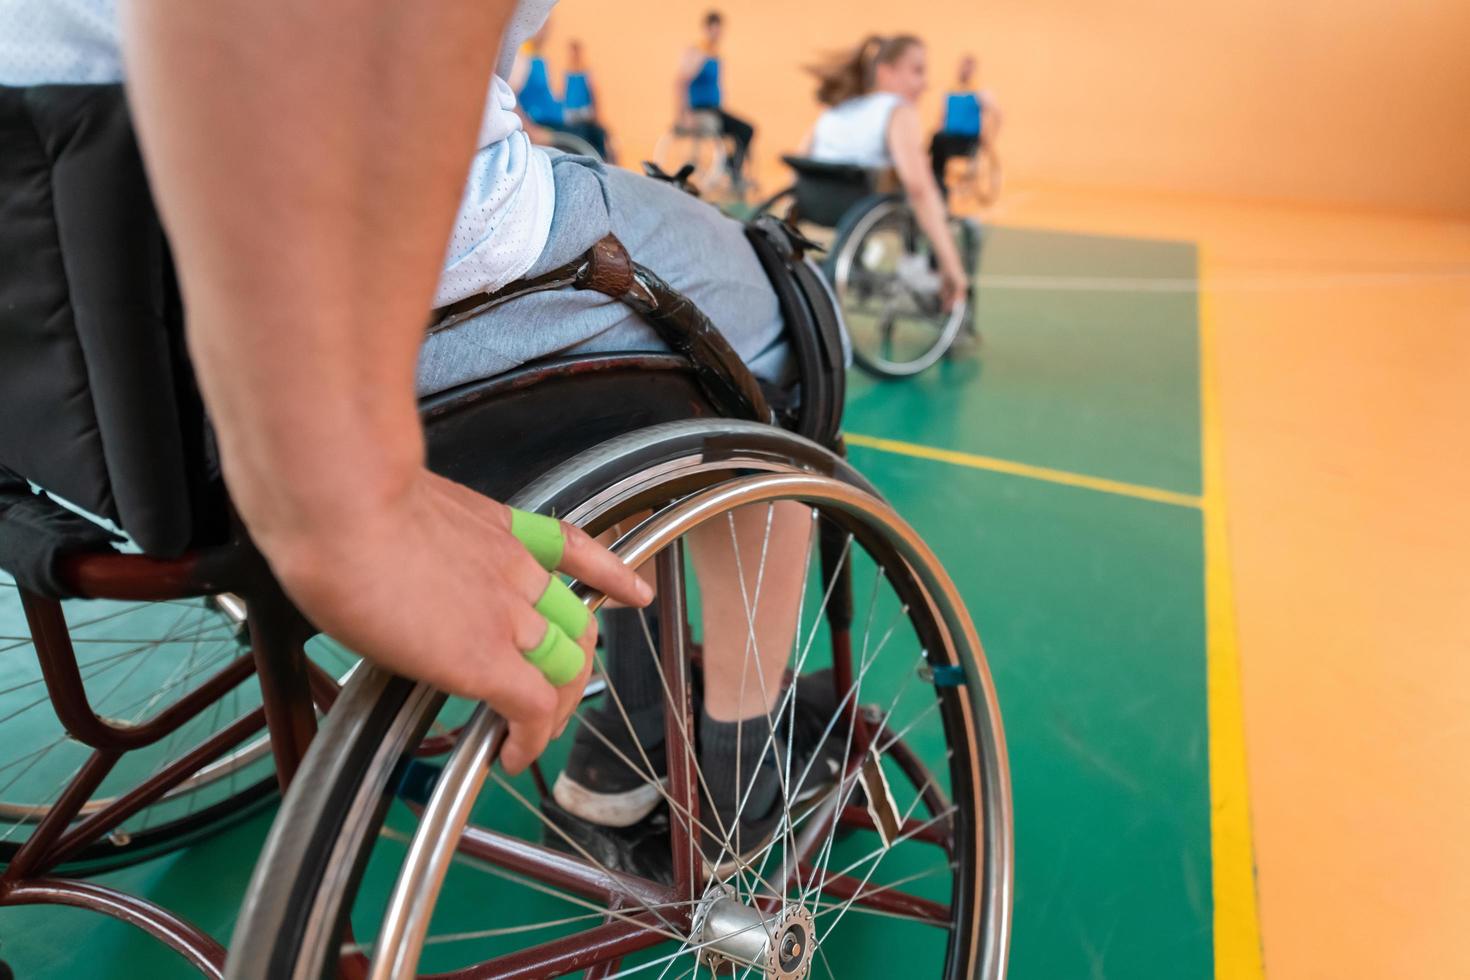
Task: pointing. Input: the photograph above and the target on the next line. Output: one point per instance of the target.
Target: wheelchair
(879, 263)
(169, 687)
(560, 139)
(699, 144)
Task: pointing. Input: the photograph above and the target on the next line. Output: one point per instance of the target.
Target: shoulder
(903, 123)
(900, 112)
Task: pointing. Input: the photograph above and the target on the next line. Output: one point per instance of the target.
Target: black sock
(633, 672)
(729, 754)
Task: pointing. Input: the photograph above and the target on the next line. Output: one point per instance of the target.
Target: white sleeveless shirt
(505, 215)
(856, 131)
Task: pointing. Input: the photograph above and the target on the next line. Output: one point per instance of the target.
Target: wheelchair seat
(825, 191)
(703, 123)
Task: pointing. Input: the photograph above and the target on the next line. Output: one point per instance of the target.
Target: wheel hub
(734, 934)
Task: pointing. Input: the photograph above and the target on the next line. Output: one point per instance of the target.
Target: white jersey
(505, 216)
(856, 131)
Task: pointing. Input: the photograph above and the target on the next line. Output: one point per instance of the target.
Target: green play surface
(1090, 605)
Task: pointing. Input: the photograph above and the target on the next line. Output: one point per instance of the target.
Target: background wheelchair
(170, 691)
(879, 263)
(699, 144)
(560, 139)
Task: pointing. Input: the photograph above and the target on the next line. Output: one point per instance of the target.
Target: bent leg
(742, 133)
(943, 148)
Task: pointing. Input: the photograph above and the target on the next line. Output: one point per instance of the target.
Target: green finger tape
(560, 605)
(558, 658)
(541, 535)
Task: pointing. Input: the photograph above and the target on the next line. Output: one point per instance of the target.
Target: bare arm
(310, 184)
(308, 161)
(905, 146)
(519, 70)
(992, 118)
(689, 66)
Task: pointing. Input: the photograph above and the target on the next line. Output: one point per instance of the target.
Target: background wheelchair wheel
(882, 270)
(977, 179)
(925, 760)
(571, 143)
(137, 659)
(706, 151)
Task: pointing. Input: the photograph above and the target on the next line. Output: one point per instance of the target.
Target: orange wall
(1362, 102)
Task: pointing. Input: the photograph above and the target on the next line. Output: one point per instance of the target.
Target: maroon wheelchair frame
(291, 688)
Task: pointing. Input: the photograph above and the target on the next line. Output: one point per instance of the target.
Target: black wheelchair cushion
(35, 533)
(826, 191)
(96, 399)
(813, 325)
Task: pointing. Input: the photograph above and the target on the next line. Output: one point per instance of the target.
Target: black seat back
(97, 403)
(826, 191)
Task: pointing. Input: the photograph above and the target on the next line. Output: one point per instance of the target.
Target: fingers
(592, 564)
(529, 703)
(561, 662)
(541, 535)
(570, 695)
(558, 545)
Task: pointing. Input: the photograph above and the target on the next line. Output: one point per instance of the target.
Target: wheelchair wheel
(978, 178)
(881, 267)
(571, 143)
(897, 859)
(136, 659)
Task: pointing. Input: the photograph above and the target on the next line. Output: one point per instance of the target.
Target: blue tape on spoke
(948, 675)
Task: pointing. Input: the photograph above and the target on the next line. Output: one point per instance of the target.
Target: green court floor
(1090, 603)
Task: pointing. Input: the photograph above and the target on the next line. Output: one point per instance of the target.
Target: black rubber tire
(104, 855)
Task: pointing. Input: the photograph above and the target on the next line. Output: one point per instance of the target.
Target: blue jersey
(962, 114)
(577, 98)
(704, 88)
(578, 92)
(536, 96)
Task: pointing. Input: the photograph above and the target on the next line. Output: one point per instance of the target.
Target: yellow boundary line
(1237, 930)
(995, 465)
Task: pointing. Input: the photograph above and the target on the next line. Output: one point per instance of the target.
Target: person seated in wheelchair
(579, 103)
(574, 113)
(698, 90)
(306, 264)
(872, 121)
(970, 124)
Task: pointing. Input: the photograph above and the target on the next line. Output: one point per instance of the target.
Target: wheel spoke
(581, 851)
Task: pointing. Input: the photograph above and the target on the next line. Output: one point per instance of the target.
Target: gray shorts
(689, 243)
